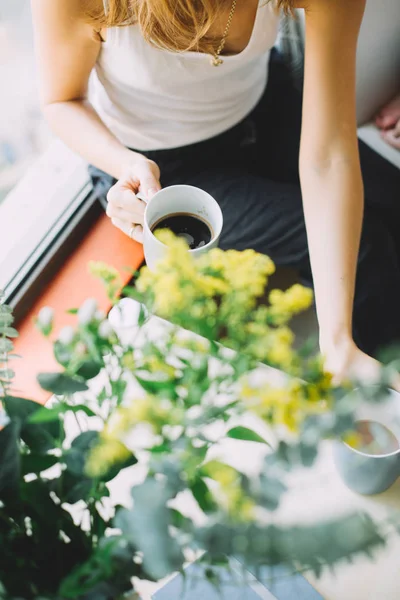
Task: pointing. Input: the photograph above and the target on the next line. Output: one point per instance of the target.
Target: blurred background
(23, 132)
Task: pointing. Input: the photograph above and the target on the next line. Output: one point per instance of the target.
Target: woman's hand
(124, 208)
(388, 120)
(347, 362)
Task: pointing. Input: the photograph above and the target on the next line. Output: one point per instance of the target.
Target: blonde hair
(177, 25)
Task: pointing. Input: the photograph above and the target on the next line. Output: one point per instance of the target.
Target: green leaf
(5, 346)
(308, 454)
(90, 340)
(75, 408)
(7, 374)
(161, 448)
(143, 315)
(118, 387)
(82, 490)
(154, 387)
(118, 466)
(76, 457)
(9, 463)
(89, 369)
(72, 311)
(10, 332)
(86, 441)
(45, 415)
(61, 384)
(161, 552)
(39, 438)
(62, 353)
(203, 496)
(106, 574)
(243, 433)
(36, 463)
(181, 522)
(298, 547)
(131, 292)
(6, 319)
(271, 492)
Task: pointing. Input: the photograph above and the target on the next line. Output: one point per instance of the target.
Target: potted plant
(162, 404)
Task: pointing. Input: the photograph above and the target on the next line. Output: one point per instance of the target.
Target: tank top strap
(106, 6)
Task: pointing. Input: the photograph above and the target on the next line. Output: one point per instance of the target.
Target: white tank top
(153, 99)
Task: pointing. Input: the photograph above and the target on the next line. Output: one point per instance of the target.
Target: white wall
(378, 67)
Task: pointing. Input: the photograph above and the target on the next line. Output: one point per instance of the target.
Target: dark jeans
(252, 171)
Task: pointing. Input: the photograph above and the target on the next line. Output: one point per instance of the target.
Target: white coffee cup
(179, 199)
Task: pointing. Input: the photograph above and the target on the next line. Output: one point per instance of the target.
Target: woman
(189, 91)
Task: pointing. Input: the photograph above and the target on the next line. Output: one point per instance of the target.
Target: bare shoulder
(75, 10)
(330, 6)
(77, 16)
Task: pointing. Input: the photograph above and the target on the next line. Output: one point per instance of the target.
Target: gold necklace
(216, 59)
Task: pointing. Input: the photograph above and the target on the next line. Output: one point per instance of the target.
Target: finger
(135, 232)
(122, 197)
(395, 382)
(391, 138)
(130, 202)
(115, 192)
(149, 187)
(127, 201)
(149, 182)
(386, 121)
(379, 121)
(129, 217)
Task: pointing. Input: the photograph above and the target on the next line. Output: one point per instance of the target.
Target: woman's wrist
(123, 161)
(331, 342)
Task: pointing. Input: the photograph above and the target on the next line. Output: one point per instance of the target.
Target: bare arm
(67, 48)
(329, 162)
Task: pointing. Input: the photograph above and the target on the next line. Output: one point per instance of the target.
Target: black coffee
(192, 229)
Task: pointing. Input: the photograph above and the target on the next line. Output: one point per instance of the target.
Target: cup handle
(142, 198)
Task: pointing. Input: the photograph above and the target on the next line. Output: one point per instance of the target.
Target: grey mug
(371, 473)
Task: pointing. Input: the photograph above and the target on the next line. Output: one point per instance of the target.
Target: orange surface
(69, 288)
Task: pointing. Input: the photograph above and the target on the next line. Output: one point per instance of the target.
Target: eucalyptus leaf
(6, 319)
(301, 548)
(308, 454)
(5, 346)
(147, 527)
(7, 374)
(271, 491)
(10, 332)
